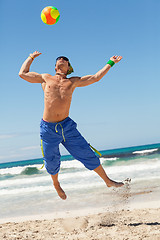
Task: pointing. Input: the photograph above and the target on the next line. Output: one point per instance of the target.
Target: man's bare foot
(114, 184)
(60, 191)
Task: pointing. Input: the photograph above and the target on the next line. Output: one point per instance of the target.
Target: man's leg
(110, 183)
(57, 186)
(52, 164)
(78, 147)
(50, 141)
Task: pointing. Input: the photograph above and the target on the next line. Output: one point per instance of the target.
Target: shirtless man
(56, 126)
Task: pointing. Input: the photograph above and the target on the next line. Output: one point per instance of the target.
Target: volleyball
(50, 15)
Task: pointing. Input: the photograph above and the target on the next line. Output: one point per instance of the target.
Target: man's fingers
(119, 58)
(116, 58)
(36, 52)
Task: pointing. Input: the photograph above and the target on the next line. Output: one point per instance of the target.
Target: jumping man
(56, 126)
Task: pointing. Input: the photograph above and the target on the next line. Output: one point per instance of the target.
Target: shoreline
(131, 197)
(83, 212)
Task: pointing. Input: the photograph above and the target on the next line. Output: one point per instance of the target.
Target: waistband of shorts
(55, 123)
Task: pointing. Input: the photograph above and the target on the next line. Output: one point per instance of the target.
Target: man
(56, 127)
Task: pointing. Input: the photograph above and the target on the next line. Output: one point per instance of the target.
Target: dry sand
(119, 225)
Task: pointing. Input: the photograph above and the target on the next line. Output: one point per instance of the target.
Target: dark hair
(65, 58)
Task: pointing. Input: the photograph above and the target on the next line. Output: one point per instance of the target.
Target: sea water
(25, 189)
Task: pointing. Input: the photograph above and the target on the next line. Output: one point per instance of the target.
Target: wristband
(111, 63)
(31, 57)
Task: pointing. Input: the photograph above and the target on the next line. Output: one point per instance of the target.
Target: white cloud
(11, 156)
(6, 136)
(30, 148)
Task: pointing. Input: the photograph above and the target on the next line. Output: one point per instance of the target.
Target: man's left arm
(90, 79)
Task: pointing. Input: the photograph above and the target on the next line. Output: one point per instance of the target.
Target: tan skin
(58, 92)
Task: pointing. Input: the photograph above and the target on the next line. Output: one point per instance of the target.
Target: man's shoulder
(74, 79)
(47, 76)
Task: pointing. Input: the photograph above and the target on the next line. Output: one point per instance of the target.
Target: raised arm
(24, 73)
(89, 79)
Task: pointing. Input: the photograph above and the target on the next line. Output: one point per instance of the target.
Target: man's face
(62, 61)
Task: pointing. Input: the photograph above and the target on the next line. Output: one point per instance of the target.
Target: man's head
(63, 64)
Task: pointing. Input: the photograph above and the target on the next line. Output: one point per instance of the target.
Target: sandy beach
(31, 208)
(124, 224)
(128, 213)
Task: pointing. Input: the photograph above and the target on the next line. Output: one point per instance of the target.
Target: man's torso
(57, 97)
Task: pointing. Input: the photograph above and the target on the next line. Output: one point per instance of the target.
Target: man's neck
(61, 74)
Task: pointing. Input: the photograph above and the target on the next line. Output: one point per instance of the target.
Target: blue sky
(119, 111)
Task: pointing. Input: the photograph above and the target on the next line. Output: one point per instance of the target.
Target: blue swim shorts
(65, 132)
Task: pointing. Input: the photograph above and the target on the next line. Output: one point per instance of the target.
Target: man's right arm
(31, 77)
(90, 79)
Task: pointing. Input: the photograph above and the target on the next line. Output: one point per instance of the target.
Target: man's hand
(35, 54)
(116, 59)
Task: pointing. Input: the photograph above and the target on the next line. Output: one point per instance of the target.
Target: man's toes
(64, 196)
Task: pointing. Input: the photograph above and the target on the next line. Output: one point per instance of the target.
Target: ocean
(26, 190)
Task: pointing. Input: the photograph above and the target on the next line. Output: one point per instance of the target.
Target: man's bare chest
(60, 89)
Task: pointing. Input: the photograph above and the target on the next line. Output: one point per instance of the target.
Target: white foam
(102, 159)
(76, 180)
(13, 170)
(18, 170)
(24, 181)
(138, 179)
(77, 164)
(25, 190)
(145, 151)
(43, 179)
(134, 168)
(84, 186)
(48, 188)
(72, 164)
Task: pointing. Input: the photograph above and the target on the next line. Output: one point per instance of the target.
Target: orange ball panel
(50, 20)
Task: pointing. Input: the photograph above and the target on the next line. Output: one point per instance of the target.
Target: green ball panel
(53, 7)
(57, 18)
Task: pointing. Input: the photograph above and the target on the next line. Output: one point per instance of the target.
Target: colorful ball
(50, 15)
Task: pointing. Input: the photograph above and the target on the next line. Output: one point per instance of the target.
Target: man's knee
(52, 168)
